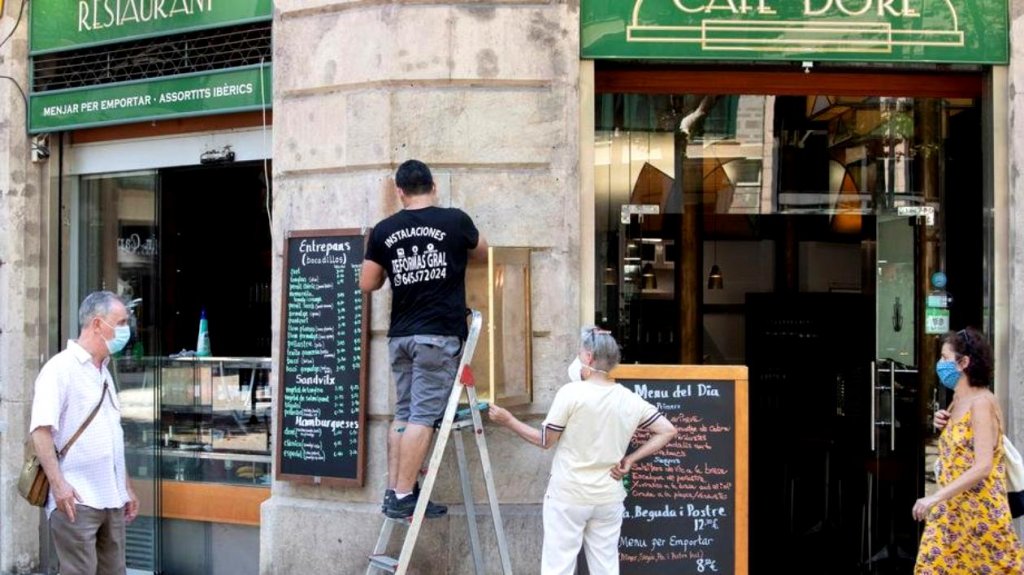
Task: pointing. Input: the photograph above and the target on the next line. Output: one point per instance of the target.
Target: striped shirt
(67, 390)
(596, 420)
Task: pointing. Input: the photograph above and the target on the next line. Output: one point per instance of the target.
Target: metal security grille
(140, 544)
(201, 51)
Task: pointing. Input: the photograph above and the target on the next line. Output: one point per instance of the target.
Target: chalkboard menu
(323, 362)
(686, 511)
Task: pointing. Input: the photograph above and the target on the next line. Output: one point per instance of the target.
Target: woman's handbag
(1014, 478)
(32, 483)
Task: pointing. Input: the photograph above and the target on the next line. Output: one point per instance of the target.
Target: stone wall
(1016, 218)
(488, 96)
(22, 299)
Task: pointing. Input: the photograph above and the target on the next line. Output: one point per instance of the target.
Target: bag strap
(999, 419)
(85, 424)
(1001, 439)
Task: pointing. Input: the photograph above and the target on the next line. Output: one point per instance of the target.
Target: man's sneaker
(434, 510)
(396, 508)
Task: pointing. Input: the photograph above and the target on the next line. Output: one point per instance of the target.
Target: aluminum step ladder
(454, 420)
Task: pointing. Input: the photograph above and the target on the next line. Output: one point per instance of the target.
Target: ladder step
(462, 417)
(465, 412)
(389, 564)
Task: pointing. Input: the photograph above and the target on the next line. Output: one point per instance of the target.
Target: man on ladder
(423, 250)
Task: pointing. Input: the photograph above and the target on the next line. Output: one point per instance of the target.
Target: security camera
(40, 148)
(222, 156)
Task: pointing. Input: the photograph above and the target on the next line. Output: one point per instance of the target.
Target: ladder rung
(389, 564)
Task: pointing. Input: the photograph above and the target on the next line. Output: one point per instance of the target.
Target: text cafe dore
(815, 8)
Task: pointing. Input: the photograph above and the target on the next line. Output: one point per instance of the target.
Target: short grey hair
(600, 344)
(96, 304)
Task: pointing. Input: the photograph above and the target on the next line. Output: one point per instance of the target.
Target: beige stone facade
(1015, 215)
(491, 96)
(24, 225)
(488, 96)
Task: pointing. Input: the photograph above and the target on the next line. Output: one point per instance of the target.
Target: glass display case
(503, 361)
(215, 420)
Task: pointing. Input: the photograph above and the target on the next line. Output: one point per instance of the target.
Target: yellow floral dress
(971, 534)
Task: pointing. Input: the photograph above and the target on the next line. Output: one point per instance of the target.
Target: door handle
(892, 406)
(872, 420)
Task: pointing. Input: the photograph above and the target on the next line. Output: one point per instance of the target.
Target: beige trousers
(93, 544)
(568, 526)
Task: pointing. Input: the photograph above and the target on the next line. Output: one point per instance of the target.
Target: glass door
(892, 428)
(113, 245)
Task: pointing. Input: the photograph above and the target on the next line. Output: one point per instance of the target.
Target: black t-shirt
(425, 252)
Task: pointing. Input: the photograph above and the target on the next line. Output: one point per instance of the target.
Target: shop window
(694, 186)
(173, 244)
(638, 112)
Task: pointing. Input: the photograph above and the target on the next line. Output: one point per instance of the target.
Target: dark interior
(216, 256)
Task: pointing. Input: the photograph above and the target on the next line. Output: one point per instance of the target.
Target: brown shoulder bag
(32, 483)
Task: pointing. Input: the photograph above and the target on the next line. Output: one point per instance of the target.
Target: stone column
(22, 331)
(1016, 218)
(487, 95)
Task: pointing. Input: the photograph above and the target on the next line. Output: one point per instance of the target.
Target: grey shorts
(424, 367)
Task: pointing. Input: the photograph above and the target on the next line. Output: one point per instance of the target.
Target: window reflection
(740, 166)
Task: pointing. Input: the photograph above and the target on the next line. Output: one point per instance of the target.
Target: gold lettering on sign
(713, 5)
(733, 6)
(100, 14)
(811, 26)
(902, 8)
(680, 4)
(857, 11)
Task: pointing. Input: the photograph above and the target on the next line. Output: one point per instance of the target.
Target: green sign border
(48, 17)
(153, 88)
(953, 31)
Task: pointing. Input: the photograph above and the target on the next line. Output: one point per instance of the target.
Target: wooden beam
(172, 127)
(682, 80)
(682, 372)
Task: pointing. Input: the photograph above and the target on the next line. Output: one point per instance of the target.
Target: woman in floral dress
(968, 529)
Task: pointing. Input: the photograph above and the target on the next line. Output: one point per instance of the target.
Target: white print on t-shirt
(414, 232)
(418, 267)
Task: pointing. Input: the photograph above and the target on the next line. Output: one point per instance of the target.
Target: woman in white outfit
(591, 420)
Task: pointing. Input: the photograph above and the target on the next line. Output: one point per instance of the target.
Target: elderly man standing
(91, 498)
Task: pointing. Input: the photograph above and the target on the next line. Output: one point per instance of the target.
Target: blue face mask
(948, 373)
(122, 334)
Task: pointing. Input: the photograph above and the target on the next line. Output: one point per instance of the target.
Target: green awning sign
(954, 31)
(233, 90)
(66, 24)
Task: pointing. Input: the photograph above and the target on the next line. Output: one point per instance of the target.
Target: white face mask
(576, 370)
